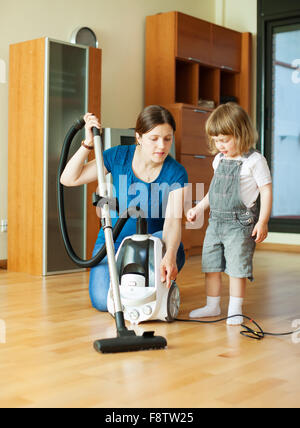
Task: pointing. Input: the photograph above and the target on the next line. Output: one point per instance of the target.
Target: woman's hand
(168, 268)
(91, 121)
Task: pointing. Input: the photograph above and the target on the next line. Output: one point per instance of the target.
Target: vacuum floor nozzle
(131, 342)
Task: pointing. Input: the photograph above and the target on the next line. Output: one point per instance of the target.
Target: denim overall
(228, 245)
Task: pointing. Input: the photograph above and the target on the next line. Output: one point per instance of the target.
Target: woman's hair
(152, 116)
(231, 119)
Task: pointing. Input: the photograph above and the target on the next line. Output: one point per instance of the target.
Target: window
(278, 107)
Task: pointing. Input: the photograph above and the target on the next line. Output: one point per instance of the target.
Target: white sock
(212, 308)
(235, 307)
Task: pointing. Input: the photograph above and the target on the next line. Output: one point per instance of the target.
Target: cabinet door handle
(190, 58)
(196, 110)
(199, 157)
(225, 67)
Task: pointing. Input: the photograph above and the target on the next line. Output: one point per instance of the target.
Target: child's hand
(191, 215)
(260, 231)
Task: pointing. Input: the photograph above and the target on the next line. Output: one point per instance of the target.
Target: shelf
(186, 82)
(229, 85)
(196, 81)
(209, 84)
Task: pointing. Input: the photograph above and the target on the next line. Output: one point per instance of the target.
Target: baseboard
(264, 246)
(194, 251)
(285, 248)
(3, 264)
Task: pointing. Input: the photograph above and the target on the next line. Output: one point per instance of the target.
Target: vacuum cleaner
(144, 297)
(136, 293)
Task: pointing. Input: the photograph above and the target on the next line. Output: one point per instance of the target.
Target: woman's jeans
(99, 276)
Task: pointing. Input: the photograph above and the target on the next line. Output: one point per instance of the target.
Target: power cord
(249, 332)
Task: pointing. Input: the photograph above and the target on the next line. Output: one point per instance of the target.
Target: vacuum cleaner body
(143, 296)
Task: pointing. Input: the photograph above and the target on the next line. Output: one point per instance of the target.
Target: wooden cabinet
(51, 84)
(199, 168)
(193, 140)
(226, 48)
(194, 38)
(188, 60)
(207, 43)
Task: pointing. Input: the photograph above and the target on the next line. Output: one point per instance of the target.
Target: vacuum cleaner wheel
(173, 302)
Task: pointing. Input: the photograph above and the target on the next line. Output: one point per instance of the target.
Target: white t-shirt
(255, 173)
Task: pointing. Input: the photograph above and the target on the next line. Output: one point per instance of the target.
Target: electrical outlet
(2, 71)
(3, 225)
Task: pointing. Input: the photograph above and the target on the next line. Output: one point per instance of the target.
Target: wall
(119, 25)
(240, 15)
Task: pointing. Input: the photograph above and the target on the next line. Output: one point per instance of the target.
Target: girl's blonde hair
(231, 119)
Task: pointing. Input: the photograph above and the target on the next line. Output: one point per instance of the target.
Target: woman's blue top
(130, 191)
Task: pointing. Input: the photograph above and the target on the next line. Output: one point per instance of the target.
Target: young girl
(235, 225)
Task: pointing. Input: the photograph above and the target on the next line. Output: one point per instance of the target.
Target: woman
(146, 170)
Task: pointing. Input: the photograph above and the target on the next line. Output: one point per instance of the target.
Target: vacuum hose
(76, 127)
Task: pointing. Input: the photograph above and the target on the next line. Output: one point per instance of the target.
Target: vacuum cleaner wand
(126, 340)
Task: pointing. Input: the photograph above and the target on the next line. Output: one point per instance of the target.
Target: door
(226, 48)
(282, 138)
(194, 39)
(66, 102)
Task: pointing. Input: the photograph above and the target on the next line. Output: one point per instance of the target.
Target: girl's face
(156, 144)
(226, 144)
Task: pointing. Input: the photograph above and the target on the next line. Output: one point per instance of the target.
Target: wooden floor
(48, 359)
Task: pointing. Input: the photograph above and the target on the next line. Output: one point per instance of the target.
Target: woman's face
(226, 144)
(156, 144)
